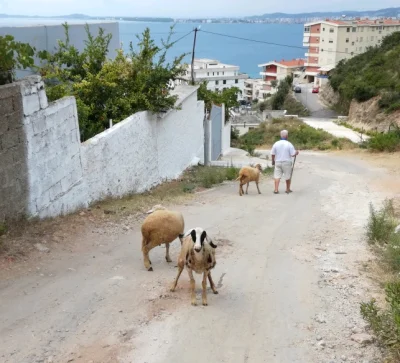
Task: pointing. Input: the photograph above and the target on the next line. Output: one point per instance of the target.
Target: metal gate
(216, 132)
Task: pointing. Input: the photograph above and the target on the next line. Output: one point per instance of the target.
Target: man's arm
(273, 152)
(293, 151)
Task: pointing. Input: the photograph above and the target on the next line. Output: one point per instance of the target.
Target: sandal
(288, 191)
(276, 192)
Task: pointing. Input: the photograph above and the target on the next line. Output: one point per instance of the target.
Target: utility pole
(194, 48)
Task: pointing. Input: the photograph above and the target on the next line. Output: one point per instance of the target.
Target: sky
(183, 8)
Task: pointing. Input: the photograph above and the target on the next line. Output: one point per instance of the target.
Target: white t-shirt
(283, 150)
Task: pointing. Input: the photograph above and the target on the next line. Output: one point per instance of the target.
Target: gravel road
(289, 273)
(311, 101)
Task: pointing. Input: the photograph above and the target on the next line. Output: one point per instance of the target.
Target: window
(208, 73)
(213, 74)
(216, 82)
(354, 30)
(352, 43)
(348, 30)
(323, 29)
(217, 89)
(306, 29)
(347, 40)
(331, 30)
(223, 73)
(236, 81)
(330, 41)
(217, 73)
(224, 81)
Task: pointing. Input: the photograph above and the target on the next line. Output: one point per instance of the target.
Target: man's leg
(277, 176)
(288, 172)
(276, 185)
(288, 186)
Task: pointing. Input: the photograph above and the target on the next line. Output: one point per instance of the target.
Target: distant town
(275, 18)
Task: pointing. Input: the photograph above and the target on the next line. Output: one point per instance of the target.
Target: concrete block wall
(144, 150)
(123, 159)
(55, 175)
(13, 166)
(180, 135)
(46, 171)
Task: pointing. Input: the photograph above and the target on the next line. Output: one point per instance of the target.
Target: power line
(270, 43)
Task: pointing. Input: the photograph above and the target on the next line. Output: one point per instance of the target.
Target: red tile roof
(292, 63)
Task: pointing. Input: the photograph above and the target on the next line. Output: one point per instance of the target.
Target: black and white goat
(198, 255)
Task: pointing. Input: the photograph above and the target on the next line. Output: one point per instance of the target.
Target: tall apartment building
(218, 75)
(330, 41)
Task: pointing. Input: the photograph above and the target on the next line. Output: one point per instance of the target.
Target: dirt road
(290, 274)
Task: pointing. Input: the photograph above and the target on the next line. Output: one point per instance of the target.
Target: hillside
(373, 74)
(389, 12)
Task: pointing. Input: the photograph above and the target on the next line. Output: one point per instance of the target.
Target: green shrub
(300, 134)
(372, 73)
(392, 253)
(3, 229)
(386, 323)
(231, 173)
(294, 107)
(381, 224)
(388, 142)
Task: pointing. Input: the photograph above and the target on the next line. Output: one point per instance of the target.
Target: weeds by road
(385, 321)
(17, 239)
(378, 142)
(301, 135)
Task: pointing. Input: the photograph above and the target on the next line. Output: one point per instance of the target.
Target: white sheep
(248, 174)
(197, 254)
(161, 226)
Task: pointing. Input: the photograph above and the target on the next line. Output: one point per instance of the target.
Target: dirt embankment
(328, 96)
(369, 116)
(366, 115)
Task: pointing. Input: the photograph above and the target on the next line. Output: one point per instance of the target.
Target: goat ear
(193, 234)
(212, 243)
(203, 236)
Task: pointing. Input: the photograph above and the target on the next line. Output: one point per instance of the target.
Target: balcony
(271, 74)
(311, 55)
(311, 64)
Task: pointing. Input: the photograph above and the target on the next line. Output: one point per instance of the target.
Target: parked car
(297, 89)
(315, 90)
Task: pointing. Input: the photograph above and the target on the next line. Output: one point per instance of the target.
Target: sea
(245, 45)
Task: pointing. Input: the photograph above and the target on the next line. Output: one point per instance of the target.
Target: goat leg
(247, 189)
(258, 188)
(167, 257)
(212, 283)
(146, 259)
(204, 292)
(180, 269)
(192, 287)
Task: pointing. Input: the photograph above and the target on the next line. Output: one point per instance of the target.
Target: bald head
(284, 134)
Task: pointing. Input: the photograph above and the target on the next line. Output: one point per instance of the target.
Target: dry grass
(17, 238)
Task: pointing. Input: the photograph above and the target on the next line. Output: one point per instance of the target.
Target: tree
(274, 83)
(13, 55)
(228, 96)
(112, 89)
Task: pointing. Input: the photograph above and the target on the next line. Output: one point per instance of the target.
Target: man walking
(282, 153)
